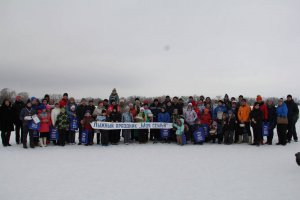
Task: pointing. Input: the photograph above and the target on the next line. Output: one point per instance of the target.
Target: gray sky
(150, 48)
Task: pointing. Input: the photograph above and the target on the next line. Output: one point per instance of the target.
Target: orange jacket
(244, 113)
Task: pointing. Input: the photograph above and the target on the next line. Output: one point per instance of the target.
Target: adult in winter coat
(26, 117)
(293, 115)
(71, 103)
(54, 113)
(6, 121)
(155, 109)
(190, 117)
(114, 135)
(97, 114)
(127, 117)
(81, 110)
(165, 117)
(263, 107)
(206, 117)
(114, 96)
(272, 120)
(256, 117)
(62, 124)
(282, 111)
(17, 107)
(177, 105)
(219, 110)
(64, 101)
(244, 121)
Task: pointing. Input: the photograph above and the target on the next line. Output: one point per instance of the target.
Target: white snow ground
(160, 171)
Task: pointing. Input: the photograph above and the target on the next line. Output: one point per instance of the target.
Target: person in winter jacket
(177, 105)
(104, 133)
(114, 96)
(164, 117)
(227, 102)
(26, 117)
(263, 107)
(179, 126)
(45, 118)
(62, 124)
(54, 113)
(114, 135)
(73, 119)
(272, 120)
(190, 116)
(81, 110)
(71, 103)
(6, 121)
(17, 107)
(64, 101)
(219, 110)
(293, 115)
(97, 114)
(86, 125)
(127, 117)
(256, 117)
(229, 127)
(282, 111)
(155, 110)
(244, 122)
(206, 117)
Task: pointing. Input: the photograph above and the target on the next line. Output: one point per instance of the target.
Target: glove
(27, 118)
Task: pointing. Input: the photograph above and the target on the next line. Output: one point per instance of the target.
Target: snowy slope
(160, 171)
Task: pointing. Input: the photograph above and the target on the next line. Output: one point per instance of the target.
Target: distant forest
(10, 94)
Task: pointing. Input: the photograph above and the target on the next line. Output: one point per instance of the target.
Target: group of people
(225, 121)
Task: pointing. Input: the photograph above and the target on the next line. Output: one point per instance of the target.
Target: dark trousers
(80, 133)
(71, 136)
(143, 135)
(270, 136)
(257, 134)
(104, 137)
(19, 129)
(5, 136)
(281, 131)
(228, 136)
(31, 138)
(62, 137)
(292, 131)
(91, 137)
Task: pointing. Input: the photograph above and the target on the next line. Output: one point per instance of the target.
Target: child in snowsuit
(179, 125)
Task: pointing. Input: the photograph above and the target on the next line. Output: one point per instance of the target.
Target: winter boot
(240, 139)
(250, 140)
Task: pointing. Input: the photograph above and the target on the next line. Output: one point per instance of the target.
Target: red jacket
(206, 119)
(263, 107)
(63, 103)
(45, 122)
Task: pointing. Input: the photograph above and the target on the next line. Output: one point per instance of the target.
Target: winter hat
(87, 113)
(48, 107)
(28, 101)
(65, 94)
(18, 98)
(258, 98)
(73, 107)
(33, 98)
(289, 96)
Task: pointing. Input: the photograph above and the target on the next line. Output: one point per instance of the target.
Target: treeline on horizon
(10, 94)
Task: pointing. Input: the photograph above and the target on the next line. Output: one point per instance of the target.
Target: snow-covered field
(150, 171)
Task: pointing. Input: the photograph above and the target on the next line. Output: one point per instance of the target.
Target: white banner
(142, 125)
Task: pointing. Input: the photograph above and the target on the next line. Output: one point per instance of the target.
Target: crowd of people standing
(227, 120)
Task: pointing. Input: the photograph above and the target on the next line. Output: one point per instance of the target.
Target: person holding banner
(115, 116)
(282, 122)
(127, 117)
(97, 114)
(155, 109)
(26, 117)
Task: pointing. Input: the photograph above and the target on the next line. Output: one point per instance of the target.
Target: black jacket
(6, 118)
(293, 111)
(17, 107)
(115, 117)
(81, 111)
(272, 116)
(258, 116)
(155, 109)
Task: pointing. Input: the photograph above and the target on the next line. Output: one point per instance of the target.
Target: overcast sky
(150, 48)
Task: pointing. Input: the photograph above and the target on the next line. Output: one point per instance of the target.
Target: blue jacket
(282, 111)
(164, 117)
(219, 109)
